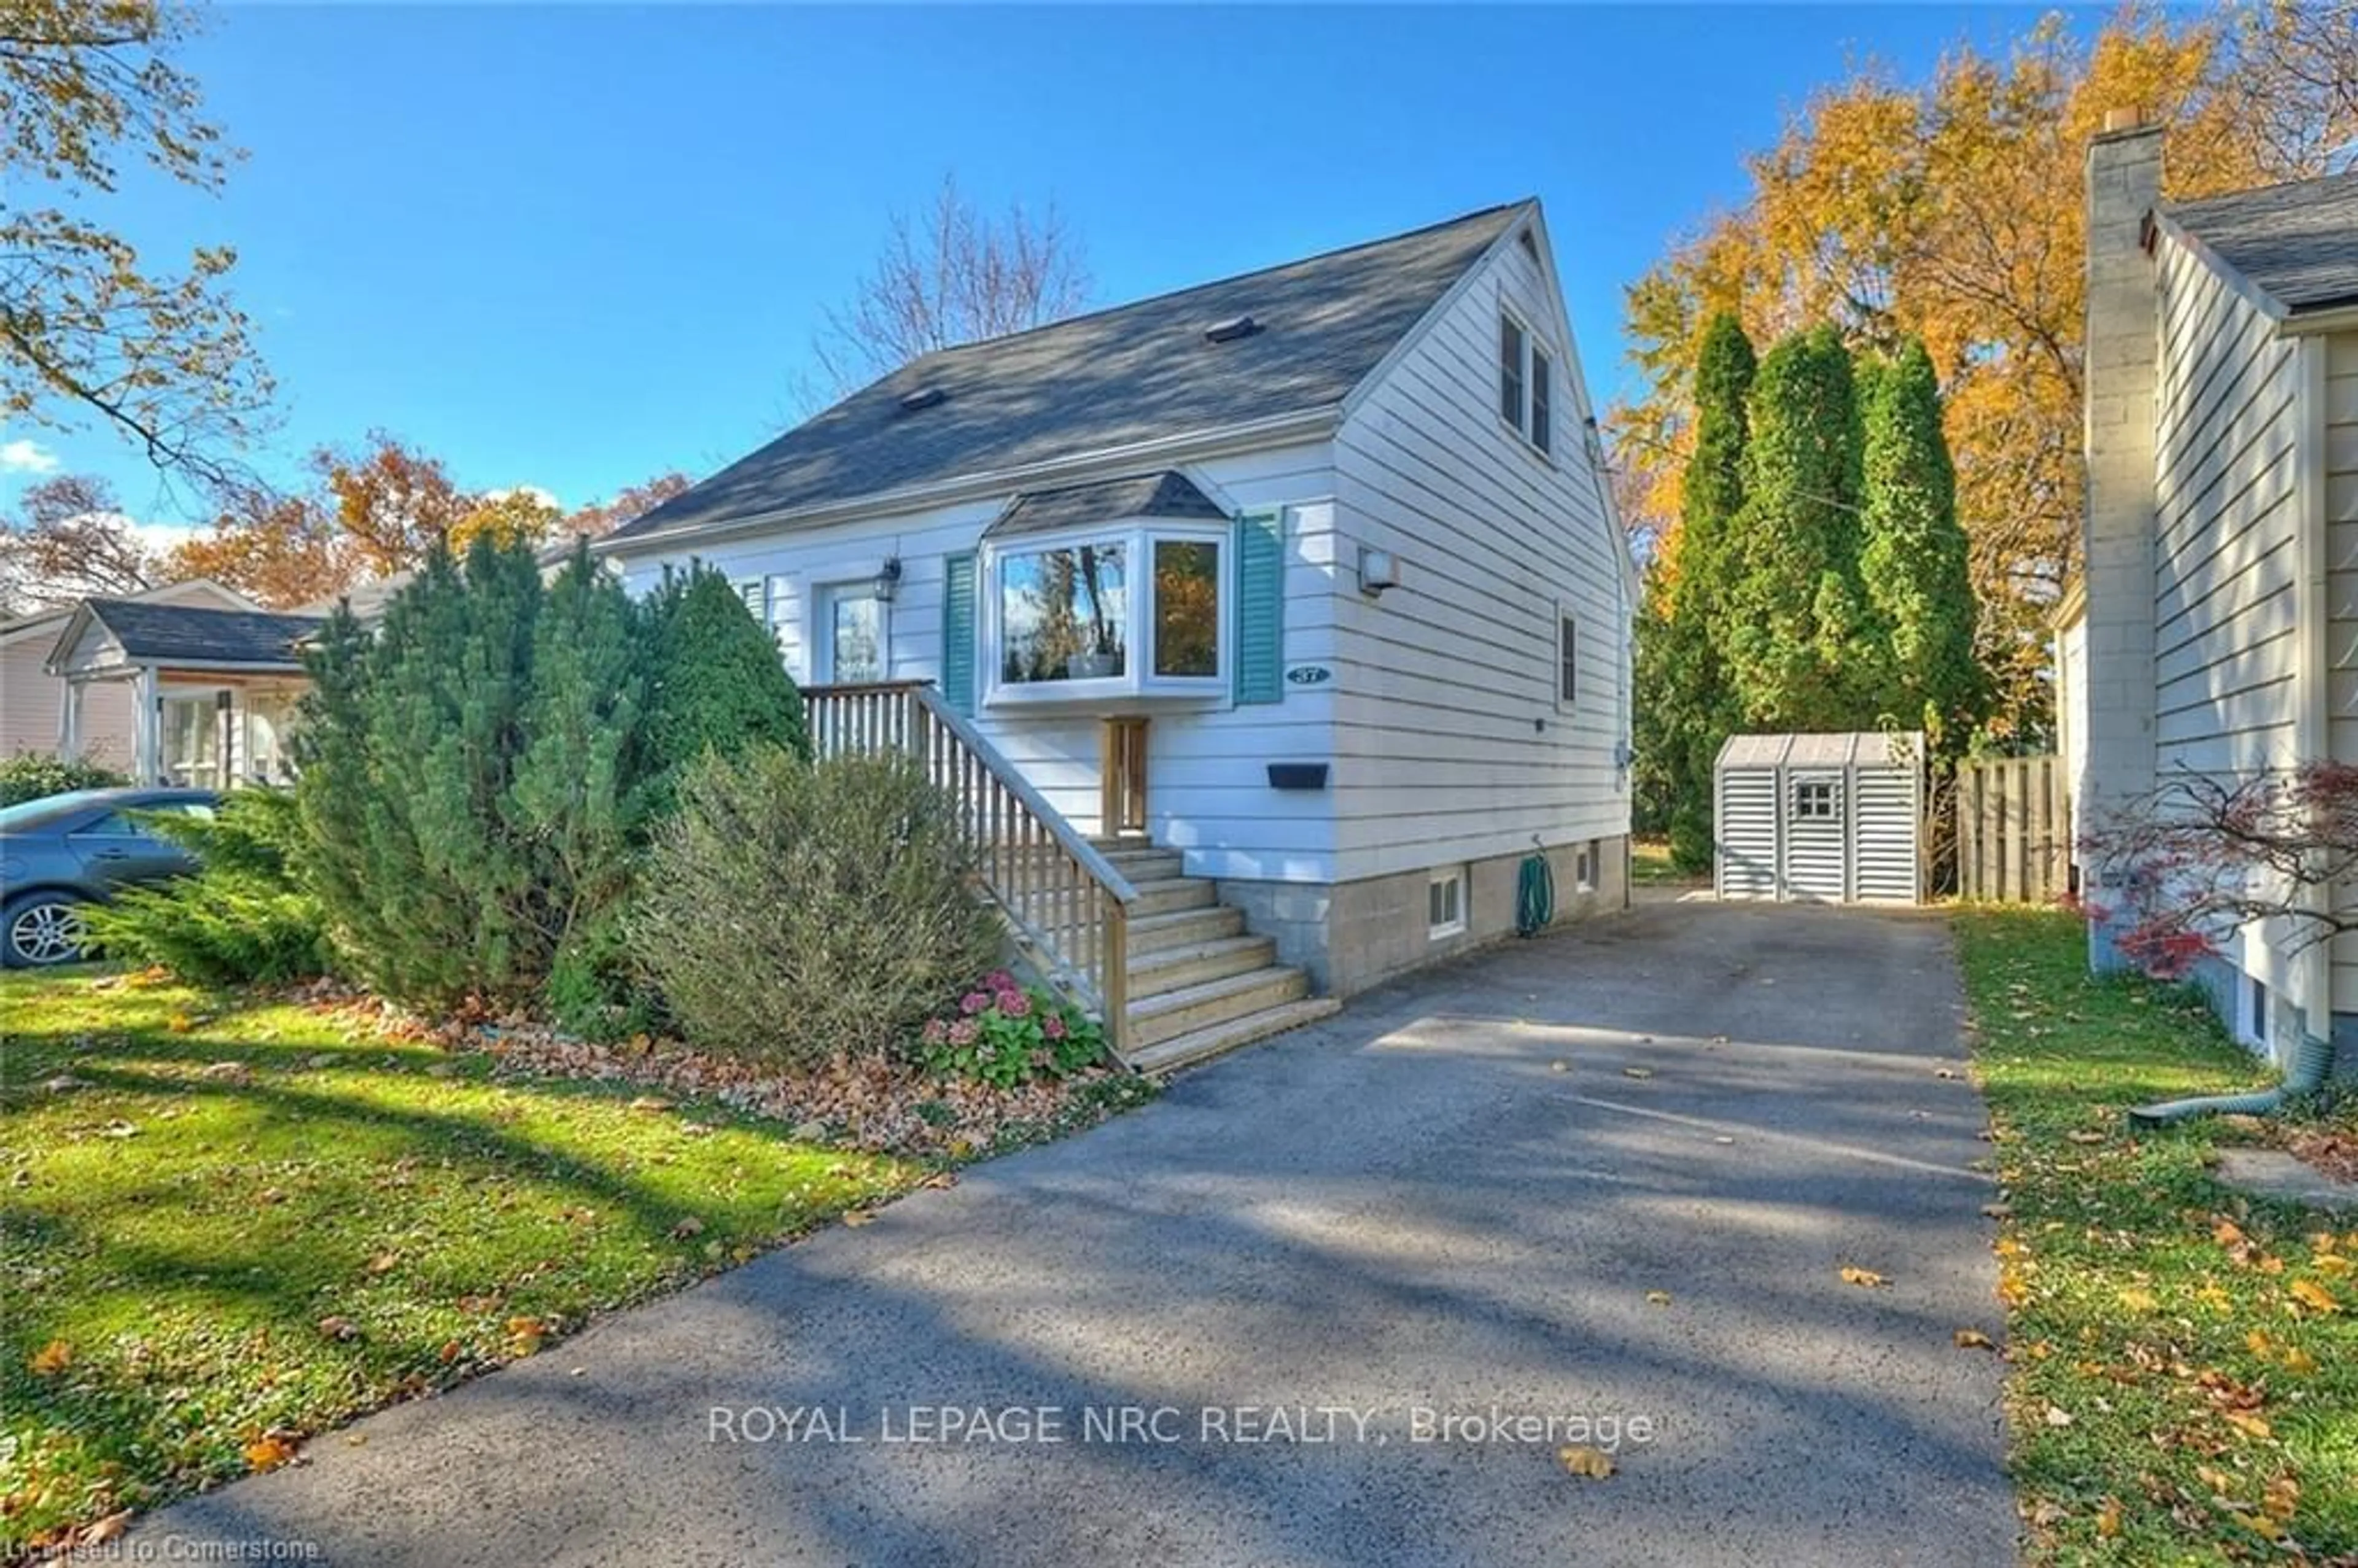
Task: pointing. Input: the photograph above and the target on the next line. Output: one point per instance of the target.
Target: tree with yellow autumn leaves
(1950, 211)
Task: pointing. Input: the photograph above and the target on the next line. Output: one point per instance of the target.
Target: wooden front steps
(1199, 984)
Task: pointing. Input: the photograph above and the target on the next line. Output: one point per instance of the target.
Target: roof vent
(924, 398)
(1230, 330)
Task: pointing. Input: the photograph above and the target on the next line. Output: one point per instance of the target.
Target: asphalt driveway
(1359, 1247)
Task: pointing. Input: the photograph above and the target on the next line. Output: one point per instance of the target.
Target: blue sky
(578, 246)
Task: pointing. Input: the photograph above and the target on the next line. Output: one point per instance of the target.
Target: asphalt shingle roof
(1131, 374)
(162, 632)
(1164, 495)
(2297, 242)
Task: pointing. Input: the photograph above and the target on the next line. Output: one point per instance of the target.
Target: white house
(33, 698)
(2218, 629)
(210, 691)
(1300, 591)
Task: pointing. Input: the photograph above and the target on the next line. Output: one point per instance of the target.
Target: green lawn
(230, 1225)
(2184, 1381)
(1650, 865)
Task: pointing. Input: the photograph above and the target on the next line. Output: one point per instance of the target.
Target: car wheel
(42, 928)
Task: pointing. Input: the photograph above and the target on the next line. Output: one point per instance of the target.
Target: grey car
(62, 851)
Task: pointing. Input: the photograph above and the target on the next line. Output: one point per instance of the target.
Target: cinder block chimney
(2123, 176)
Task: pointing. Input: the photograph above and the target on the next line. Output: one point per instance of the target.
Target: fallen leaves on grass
(1973, 1339)
(1866, 1278)
(51, 1358)
(2314, 1296)
(870, 1103)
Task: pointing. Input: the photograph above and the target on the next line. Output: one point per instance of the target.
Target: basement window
(1444, 904)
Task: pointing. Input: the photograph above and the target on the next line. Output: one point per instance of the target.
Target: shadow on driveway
(1458, 1193)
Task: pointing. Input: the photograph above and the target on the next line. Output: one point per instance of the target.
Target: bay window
(1133, 611)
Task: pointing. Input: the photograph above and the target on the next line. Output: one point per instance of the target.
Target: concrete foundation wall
(1350, 935)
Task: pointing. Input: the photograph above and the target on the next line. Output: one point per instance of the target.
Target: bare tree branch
(955, 276)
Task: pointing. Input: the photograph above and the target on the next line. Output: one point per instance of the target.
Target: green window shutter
(958, 631)
(1260, 607)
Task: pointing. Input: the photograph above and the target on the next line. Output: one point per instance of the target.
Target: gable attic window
(1542, 431)
(1511, 370)
(1526, 383)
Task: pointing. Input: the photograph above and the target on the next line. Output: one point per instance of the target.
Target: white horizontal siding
(2340, 466)
(1207, 782)
(2226, 590)
(1450, 743)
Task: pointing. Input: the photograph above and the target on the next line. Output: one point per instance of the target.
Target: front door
(851, 636)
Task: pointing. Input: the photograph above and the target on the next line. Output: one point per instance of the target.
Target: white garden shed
(1820, 819)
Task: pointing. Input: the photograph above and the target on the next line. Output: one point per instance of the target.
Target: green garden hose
(2312, 1059)
(1534, 895)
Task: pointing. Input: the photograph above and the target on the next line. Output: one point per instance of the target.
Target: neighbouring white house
(206, 691)
(2216, 628)
(1288, 613)
(42, 711)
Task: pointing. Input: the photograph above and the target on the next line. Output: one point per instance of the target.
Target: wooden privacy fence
(1067, 903)
(2014, 831)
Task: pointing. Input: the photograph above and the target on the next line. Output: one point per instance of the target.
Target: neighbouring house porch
(214, 691)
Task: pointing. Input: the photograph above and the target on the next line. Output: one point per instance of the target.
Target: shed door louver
(1884, 834)
(957, 632)
(1260, 607)
(1747, 835)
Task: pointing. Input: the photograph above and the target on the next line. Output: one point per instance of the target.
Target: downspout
(2312, 1060)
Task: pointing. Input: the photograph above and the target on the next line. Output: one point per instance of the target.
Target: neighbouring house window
(1444, 904)
(1063, 615)
(1542, 400)
(191, 740)
(1817, 800)
(1186, 608)
(269, 722)
(1510, 371)
(854, 633)
(1567, 655)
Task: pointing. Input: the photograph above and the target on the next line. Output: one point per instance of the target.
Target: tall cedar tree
(1795, 612)
(716, 682)
(1913, 559)
(1684, 701)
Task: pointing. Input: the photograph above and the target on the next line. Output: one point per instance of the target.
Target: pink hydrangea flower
(999, 980)
(965, 1031)
(1054, 1028)
(975, 1002)
(1015, 1004)
(935, 1031)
